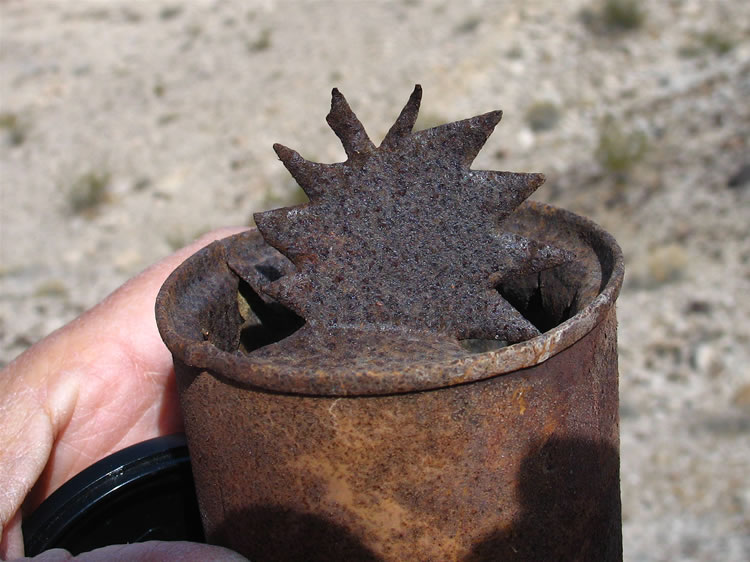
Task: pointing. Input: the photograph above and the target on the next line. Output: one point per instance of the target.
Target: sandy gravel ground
(127, 128)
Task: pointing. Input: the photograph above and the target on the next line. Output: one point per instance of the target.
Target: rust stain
(518, 397)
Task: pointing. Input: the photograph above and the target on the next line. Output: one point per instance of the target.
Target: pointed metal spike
(289, 291)
(276, 228)
(519, 256)
(477, 130)
(514, 327)
(281, 287)
(461, 140)
(502, 192)
(284, 153)
(287, 229)
(347, 127)
(309, 175)
(506, 323)
(497, 320)
(405, 122)
(490, 119)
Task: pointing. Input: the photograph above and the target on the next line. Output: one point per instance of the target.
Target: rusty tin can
(507, 454)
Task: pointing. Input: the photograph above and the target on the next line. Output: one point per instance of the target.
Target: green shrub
(542, 116)
(89, 192)
(469, 25)
(262, 43)
(708, 42)
(15, 128)
(170, 12)
(623, 14)
(719, 43)
(614, 16)
(619, 150)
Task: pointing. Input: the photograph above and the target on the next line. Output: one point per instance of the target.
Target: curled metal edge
(246, 371)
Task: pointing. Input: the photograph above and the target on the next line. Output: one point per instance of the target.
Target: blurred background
(128, 128)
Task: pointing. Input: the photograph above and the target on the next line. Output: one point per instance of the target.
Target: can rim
(242, 369)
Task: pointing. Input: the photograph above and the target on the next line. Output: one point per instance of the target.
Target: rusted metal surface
(404, 237)
(522, 466)
(332, 415)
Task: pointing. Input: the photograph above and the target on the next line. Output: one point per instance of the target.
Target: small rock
(741, 397)
(526, 138)
(707, 359)
(741, 178)
(542, 116)
(698, 307)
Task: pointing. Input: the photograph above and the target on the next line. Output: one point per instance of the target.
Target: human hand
(95, 386)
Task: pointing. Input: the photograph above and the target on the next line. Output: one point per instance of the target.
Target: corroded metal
(403, 238)
(522, 466)
(357, 433)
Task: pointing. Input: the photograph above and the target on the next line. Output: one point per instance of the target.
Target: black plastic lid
(144, 492)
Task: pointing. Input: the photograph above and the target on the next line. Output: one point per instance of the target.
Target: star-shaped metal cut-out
(404, 237)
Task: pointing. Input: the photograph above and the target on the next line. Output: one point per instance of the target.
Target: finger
(11, 543)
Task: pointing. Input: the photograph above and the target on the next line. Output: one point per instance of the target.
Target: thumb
(152, 551)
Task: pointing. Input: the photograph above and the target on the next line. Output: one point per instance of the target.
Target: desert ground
(128, 128)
